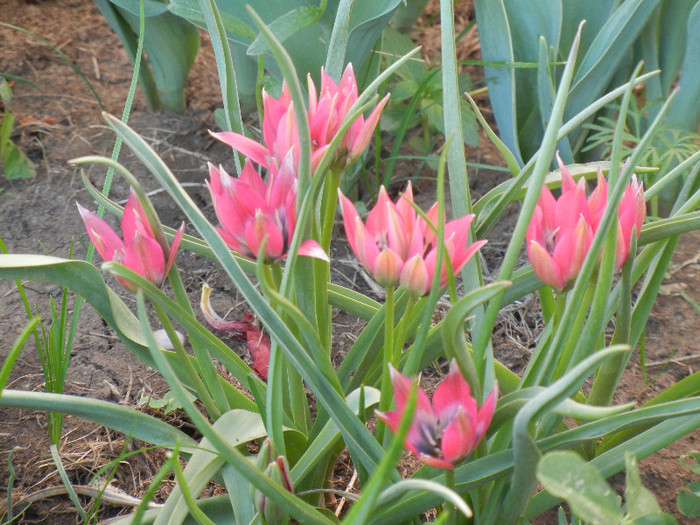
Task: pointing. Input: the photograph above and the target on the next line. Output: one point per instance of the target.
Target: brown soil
(61, 120)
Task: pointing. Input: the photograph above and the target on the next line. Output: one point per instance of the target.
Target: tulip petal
(452, 393)
(414, 276)
(174, 248)
(245, 146)
(106, 242)
(544, 266)
(144, 256)
(458, 439)
(311, 248)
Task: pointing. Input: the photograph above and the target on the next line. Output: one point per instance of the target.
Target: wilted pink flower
(561, 230)
(258, 343)
(325, 114)
(447, 430)
(251, 210)
(398, 245)
(139, 251)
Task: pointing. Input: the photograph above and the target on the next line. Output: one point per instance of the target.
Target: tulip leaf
(329, 435)
(643, 444)
(453, 330)
(171, 43)
(239, 427)
(672, 420)
(150, 7)
(13, 354)
(684, 112)
(509, 405)
(305, 30)
(123, 419)
(216, 508)
(424, 485)
(233, 363)
(566, 475)
(362, 444)
(85, 280)
(227, 74)
(191, 10)
(523, 483)
(285, 26)
(495, 37)
(612, 43)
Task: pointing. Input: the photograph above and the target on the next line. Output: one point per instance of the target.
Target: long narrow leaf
(356, 435)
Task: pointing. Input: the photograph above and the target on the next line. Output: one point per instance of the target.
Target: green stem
(194, 380)
(402, 329)
(450, 484)
(388, 358)
(608, 376)
(330, 202)
(201, 351)
(567, 350)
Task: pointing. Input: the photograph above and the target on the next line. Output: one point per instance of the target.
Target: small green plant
(670, 145)
(689, 497)
(15, 162)
(416, 103)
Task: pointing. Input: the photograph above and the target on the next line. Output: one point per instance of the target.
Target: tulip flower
(139, 251)
(251, 210)
(325, 114)
(398, 245)
(561, 230)
(446, 430)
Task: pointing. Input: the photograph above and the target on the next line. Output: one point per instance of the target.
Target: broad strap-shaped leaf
(685, 113)
(497, 47)
(123, 419)
(239, 426)
(85, 280)
(611, 44)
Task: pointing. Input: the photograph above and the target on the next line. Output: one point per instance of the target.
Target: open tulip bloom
(326, 113)
(561, 230)
(397, 245)
(251, 210)
(139, 251)
(446, 430)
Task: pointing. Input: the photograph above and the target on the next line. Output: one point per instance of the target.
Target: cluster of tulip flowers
(396, 244)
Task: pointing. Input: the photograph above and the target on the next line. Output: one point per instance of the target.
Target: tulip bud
(278, 471)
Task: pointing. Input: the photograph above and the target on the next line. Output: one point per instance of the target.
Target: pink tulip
(325, 114)
(251, 210)
(447, 430)
(397, 245)
(139, 251)
(561, 230)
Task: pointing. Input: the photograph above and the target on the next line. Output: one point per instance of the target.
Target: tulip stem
(389, 358)
(195, 382)
(567, 350)
(450, 484)
(402, 329)
(329, 206)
